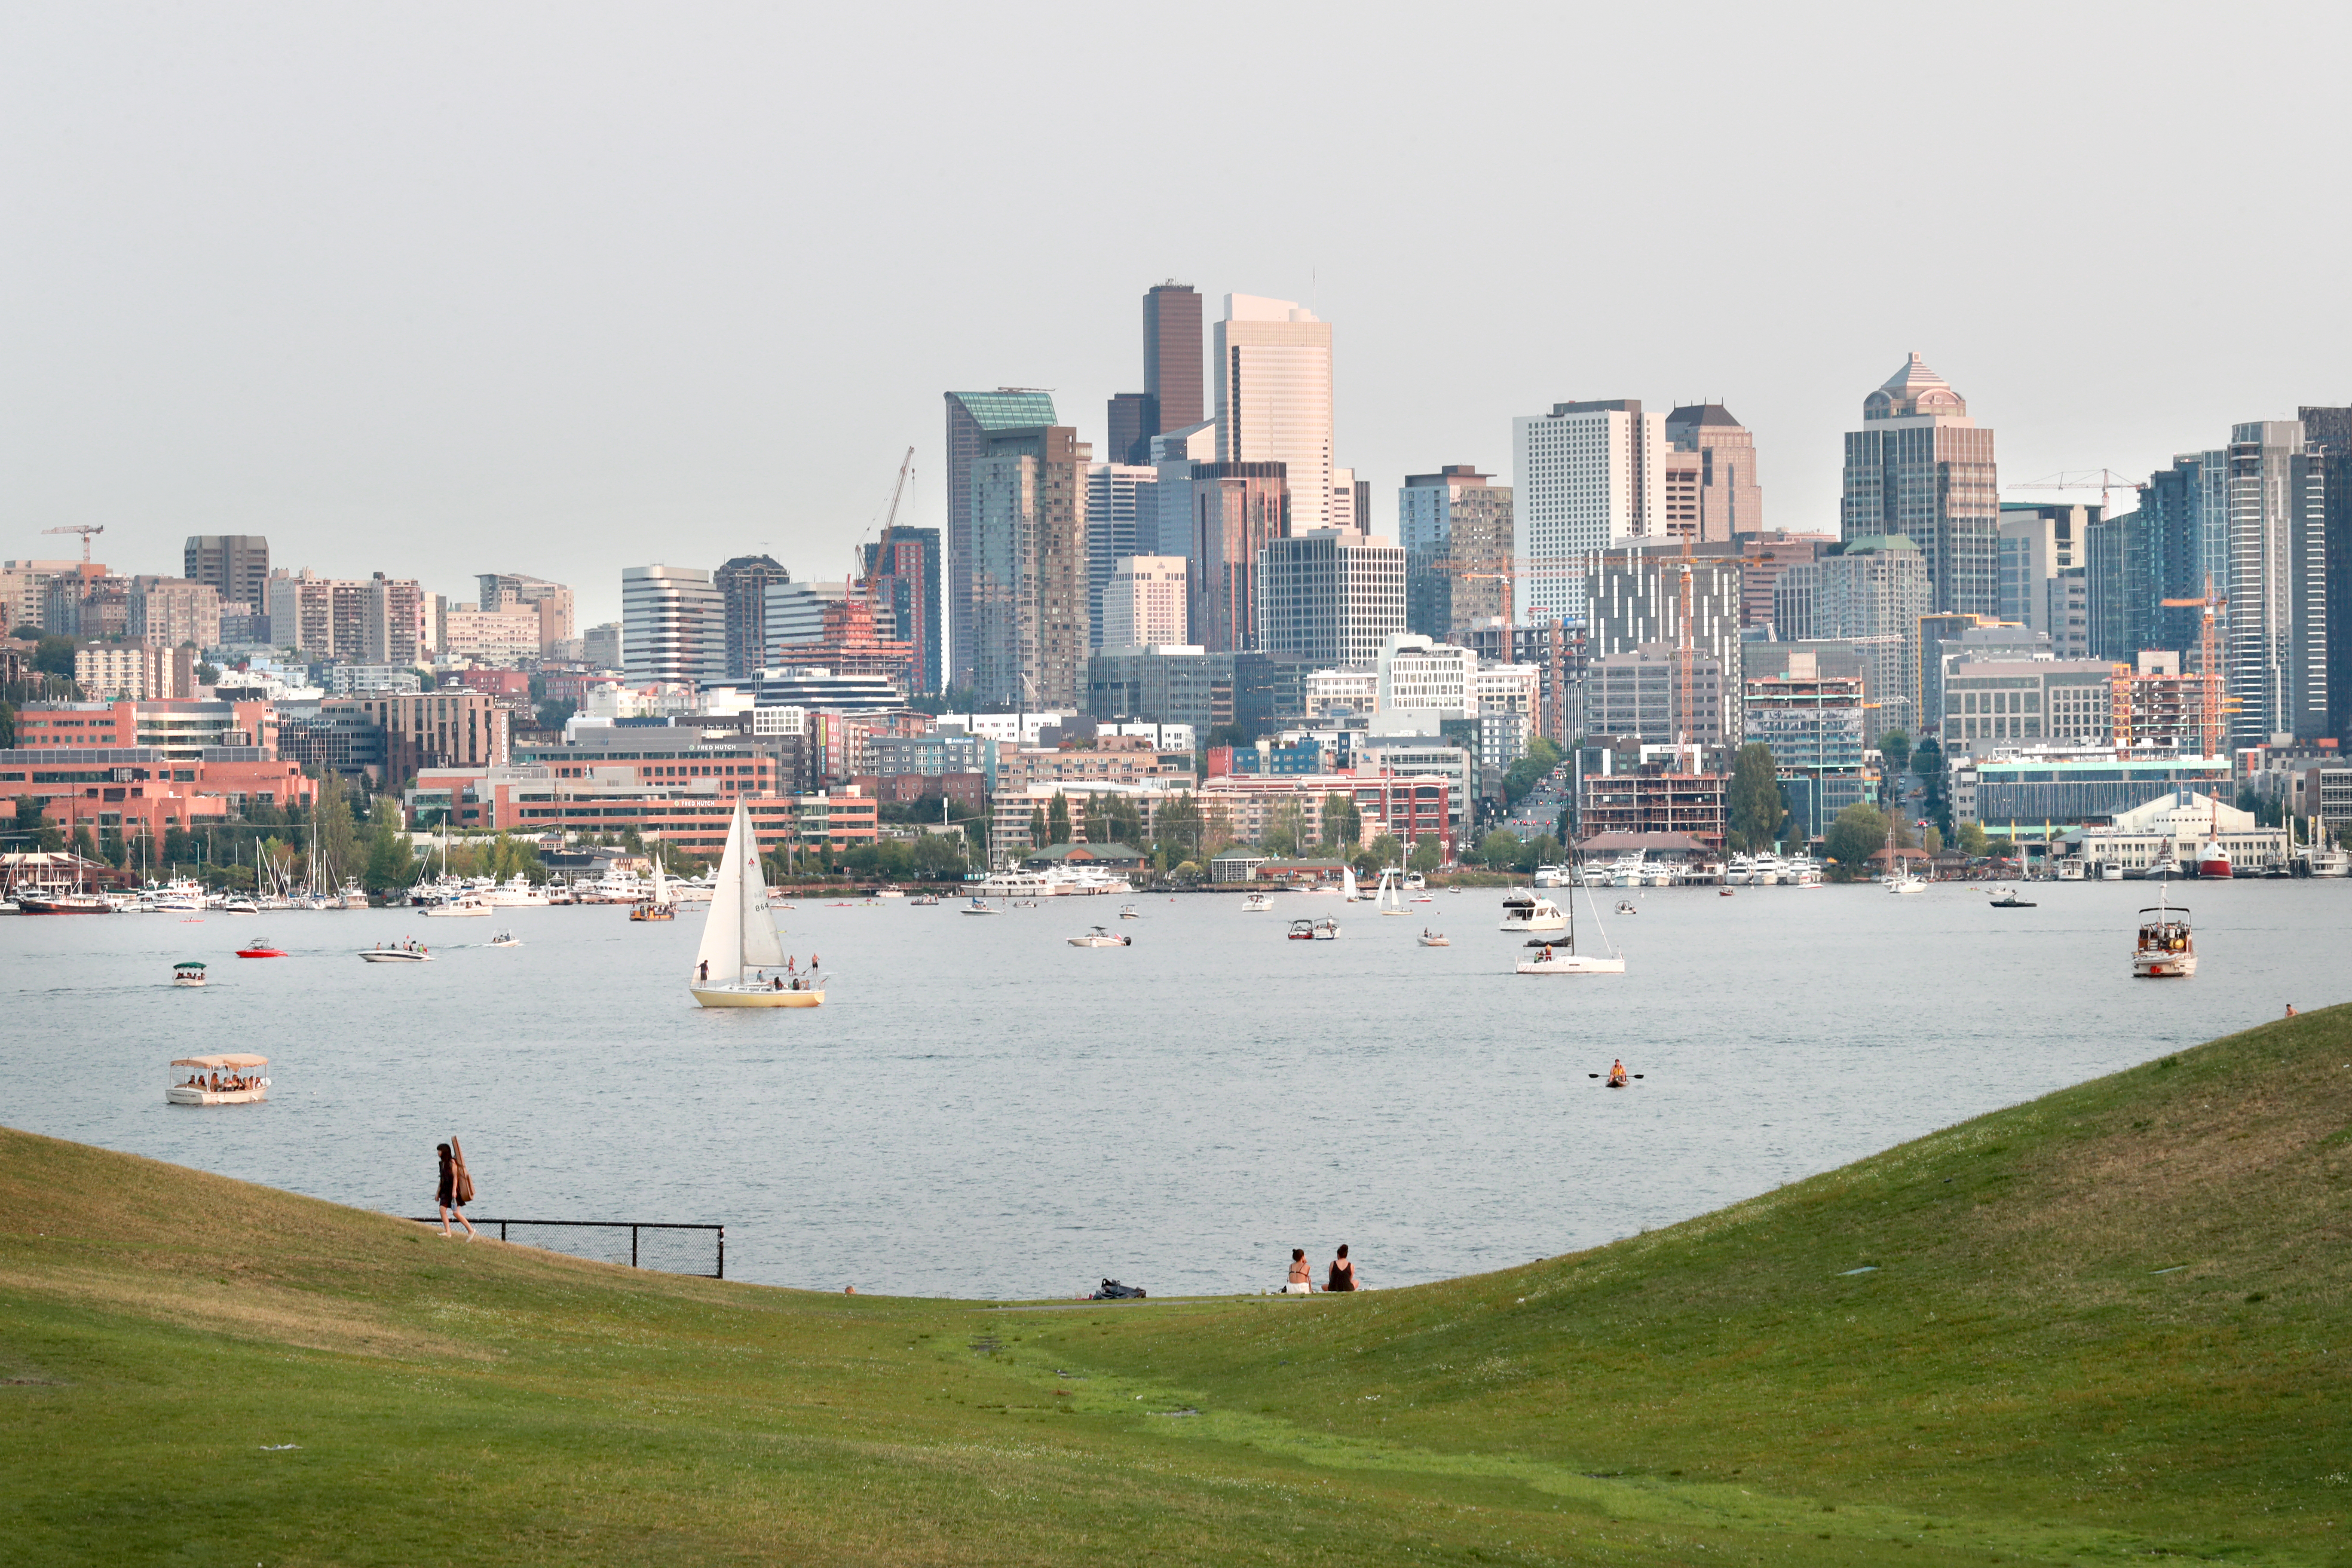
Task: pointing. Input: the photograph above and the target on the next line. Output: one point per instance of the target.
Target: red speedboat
(261, 947)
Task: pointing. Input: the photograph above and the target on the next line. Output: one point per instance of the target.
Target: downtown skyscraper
(1029, 624)
(1273, 380)
(1921, 467)
(1586, 476)
(973, 419)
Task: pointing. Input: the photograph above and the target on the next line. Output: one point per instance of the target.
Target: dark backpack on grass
(1112, 1290)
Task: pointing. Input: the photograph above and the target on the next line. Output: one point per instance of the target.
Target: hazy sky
(435, 289)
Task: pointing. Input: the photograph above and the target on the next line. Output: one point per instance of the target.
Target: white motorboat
(2166, 950)
(1433, 937)
(504, 939)
(1766, 870)
(353, 896)
(407, 953)
(1257, 903)
(515, 892)
(1551, 876)
(1905, 883)
(1626, 871)
(465, 906)
(1326, 929)
(1097, 937)
(734, 963)
(889, 892)
(239, 906)
(980, 906)
(188, 972)
(1801, 869)
(2070, 869)
(1527, 912)
(2109, 872)
(1129, 912)
(1011, 884)
(243, 1072)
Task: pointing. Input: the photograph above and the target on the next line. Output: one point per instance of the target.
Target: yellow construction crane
(2209, 665)
(85, 530)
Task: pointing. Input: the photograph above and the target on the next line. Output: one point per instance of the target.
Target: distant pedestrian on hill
(2290, 1009)
(456, 1188)
(1343, 1273)
(1302, 1274)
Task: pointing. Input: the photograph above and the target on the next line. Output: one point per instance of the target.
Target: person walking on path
(1343, 1273)
(456, 1188)
(1302, 1274)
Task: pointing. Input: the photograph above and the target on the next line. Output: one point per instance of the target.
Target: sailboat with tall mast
(740, 963)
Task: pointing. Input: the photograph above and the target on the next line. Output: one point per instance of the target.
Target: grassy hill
(2109, 1323)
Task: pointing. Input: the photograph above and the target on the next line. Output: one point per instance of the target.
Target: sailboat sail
(661, 881)
(1347, 883)
(719, 960)
(760, 949)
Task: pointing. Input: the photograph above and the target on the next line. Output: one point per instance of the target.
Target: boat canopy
(189, 963)
(235, 1059)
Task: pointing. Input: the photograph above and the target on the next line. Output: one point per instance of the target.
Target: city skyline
(409, 351)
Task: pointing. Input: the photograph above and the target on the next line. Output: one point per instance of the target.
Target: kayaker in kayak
(1617, 1078)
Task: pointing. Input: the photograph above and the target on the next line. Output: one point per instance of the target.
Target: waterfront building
(1456, 529)
(1671, 796)
(344, 743)
(1012, 809)
(973, 420)
(1330, 594)
(2177, 826)
(1585, 476)
(1873, 593)
(2030, 790)
(1989, 704)
(443, 729)
(1028, 574)
(1144, 604)
(1272, 401)
(235, 567)
(674, 625)
(2321, 793)
(2276, 623)
(1920, 467)
(1639, 692)
(1724, 493)
(1117, 496)
(110, 670)
(902, 578)
(1817, 730)
(1633, 597)
(743, 583)
(1237, 510)
(142, 768)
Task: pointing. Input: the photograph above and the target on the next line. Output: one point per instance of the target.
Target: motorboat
(1129, 912)
(464, 906)
(504, 939)
(980, 906)
(1097, 936)
(190, 971)
(1011, 884)
(1627, 907)
(2322, 861)
(1905, 883)
(261, 947)
(739, 951)
(2166, 950)
(1301, 931)
(400, 953)
(1802, 870)
(515, 892)
(1433, 937)
(1526, 913)
(2166, 869)
(1626, 871)
(2110, 872)
(2070, 869)
(353, 896)
(1257, 903)
(1727, 892)
(1766, 870)
(2009, 901)
(1422, 898)
(1414, 882)
(243, 1071)
(1326, 929)
(63, 904)
(889, 892)
(1551, 876)
(924, 901)
(1737, 871)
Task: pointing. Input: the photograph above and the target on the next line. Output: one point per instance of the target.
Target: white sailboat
(739, 937)
(1349, 892)
(1390, 895)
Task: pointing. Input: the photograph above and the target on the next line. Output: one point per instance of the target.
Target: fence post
(632, 1247)
(722, 1252)
(503, 1230)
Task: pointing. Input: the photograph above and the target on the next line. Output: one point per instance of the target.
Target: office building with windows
(973, 420)
(1118, 495)
(1456, 529)
(1331, 593)
(2277, 617)
(1145, 603)
(1274, 398)
(234, 565)
(902, 582)
(673, 625)
(1870, 593)
(1921, 467)
(1237, 509)
(1587, 476)
(1717, 454)
(1028, 582)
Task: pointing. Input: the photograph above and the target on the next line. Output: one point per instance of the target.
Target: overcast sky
(436, 289)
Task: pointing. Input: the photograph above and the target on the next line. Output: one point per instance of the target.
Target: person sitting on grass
(1302, 1276)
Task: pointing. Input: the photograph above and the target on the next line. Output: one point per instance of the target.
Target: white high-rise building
(1420, 673)
(1274, 398)
(1144, 603)
(1586, 476)
(1122, 520)
(1330, 594)
(673, 625)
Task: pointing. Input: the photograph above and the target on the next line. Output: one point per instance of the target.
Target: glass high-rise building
(1456, 526)
(2276, 623)
(1587, 476)
(902, 575)
(743, 583)
(1921, 467)
(1122, 520)
(1028, 574)
(975, 418)
(1274, 398)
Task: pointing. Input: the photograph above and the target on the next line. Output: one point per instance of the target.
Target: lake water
(982, 1109)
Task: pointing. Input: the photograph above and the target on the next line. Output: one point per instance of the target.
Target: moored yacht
(2166, 950)
(1523, 912)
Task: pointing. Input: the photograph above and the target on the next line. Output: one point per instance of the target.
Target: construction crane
(889, 517)
(2208, 666)
(85, 530)
(2103, 480)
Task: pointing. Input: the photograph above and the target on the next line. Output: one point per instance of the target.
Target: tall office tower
(2115, 558)
(1456, 526)
(1171, 357)
(1145, 604)
(673, 625)
(1237, 509)
(902, 575)
(1587, 476)
(2044, 559)
(2327, 435)
(1872, 592)
(1173, 455)
(1634, 598)
(234, 565)
(972, 418)
(1921, 467)
(742, 584)
(1331, 593)
(2278, 585)
(552, 601)
(1122, 505)
(1029, 568)
(1131, 423)
(1730, 499)
(1274, 398)
(2183, 542)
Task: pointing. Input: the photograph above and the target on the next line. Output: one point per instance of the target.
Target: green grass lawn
(2108, 1324)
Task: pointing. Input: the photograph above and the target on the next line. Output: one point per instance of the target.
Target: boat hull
(388, 956)
(69, 904)
(2164, 966)
(749, 996)
(1574, 964)
(180, 1094)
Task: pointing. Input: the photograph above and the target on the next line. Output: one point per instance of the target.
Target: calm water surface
(982, 1109)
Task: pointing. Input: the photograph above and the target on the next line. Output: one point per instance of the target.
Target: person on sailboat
(703, 972)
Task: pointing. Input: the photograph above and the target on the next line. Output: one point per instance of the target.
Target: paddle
(1634, 1075)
